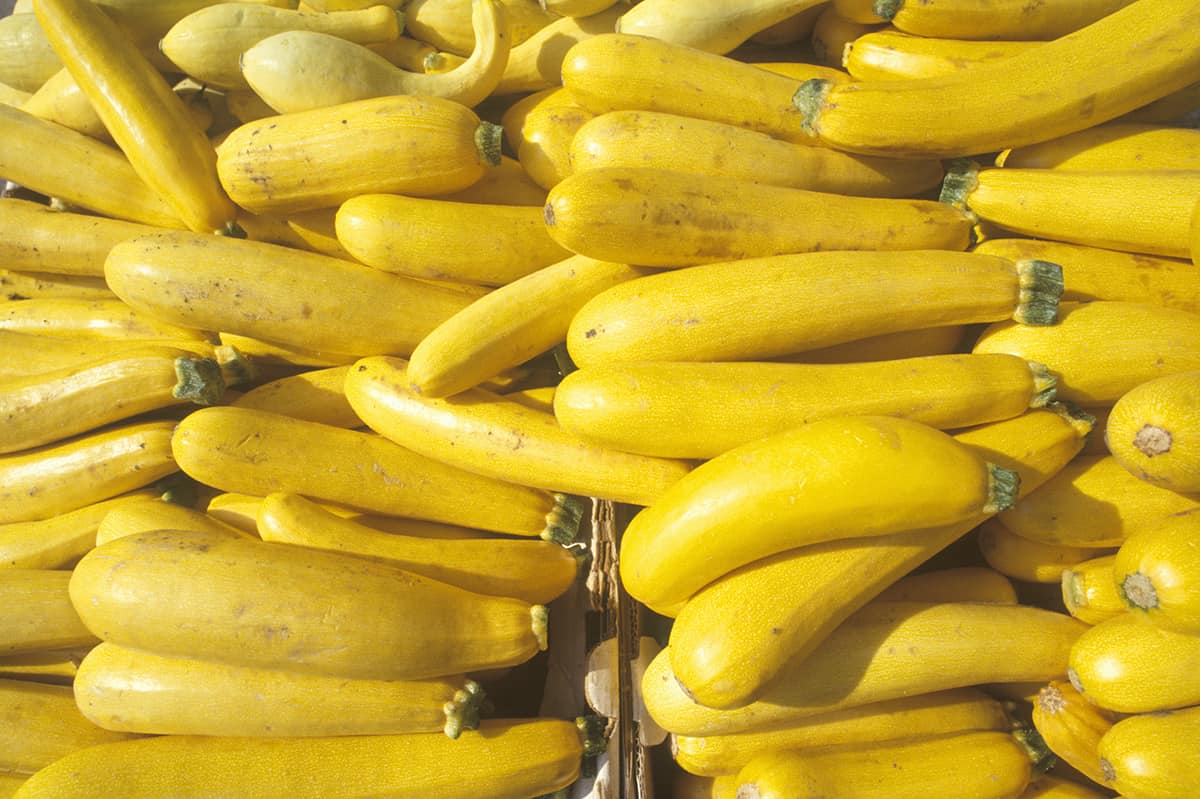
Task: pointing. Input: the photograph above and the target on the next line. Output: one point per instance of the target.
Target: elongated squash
(954, 584)
(1128, 665)
(671, 141)
(108, 319)
(148, 121)
(280, 68)
(1155, 572)
(891, 54)
(405, 145)
(806, 301)
(136, 691)
(297, 299)
(50, 666)
(1154, 432)
(966, 765)
(1030, 561)
(61, 539)
(1071, 726)
(447, 24)
(1141, 342)
(55, 405)
(43, 285)
(1149, 755)
(1006, 19)
(479, 431)
(28, 60)
(715, 26)
(1094, 502)
(936, 713)
(58, 478)
(1090, 592)
(313, 396)
(536, 63)
(250, 603)
(423, 237)
(1162, 37)
(141, 517)
(1112, 146)
(208, 43)
(23, 354)
(532, 571)
(800, 493)
(699, 410)
(942, 340)
(884, 651)
(39, 614)
(42, 724)
(665, 217)
(506, 184)
(544, 142)
(504, 759)
(258, 453)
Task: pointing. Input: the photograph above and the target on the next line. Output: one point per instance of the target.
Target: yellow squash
(282, 68)
(943, 340)
(536, 63)
(1084, 207)
(922, 715)
(60, 540)
(891, 54)
(544, 142)
(504, 759)
(1116, 145)
(137, 691)
(670, 141)
(26, 58)
(24, 354)
(838, 477)
(479, 431)
(259, 453)
(1159, 41)
(76, 169)
(1000, 19)
(448, 24)
(405, 145)
(13, 97)
(532, 571)
(884, 651)
(965, 765)
(1139, 343)
(1026, 560)
(699, 410)
(715, 26)
(141, 517)
(832, 33)
(50, 666)
(1072, 726)
(61, 101)
(1094, 502)
(1149, 756)
(510, 325)
(245, 602)
(665, 217)
(106, 319)
(50, 407)
(1089, 590)
(1154, 431)
(42, 285)
(1157, 573)
(208, 43)
(507, 184)
(767, 307)
(1092, 273)
(148, 121)
(313, 396)
(41, 725)
(58, 478)
(954, 584)
(38, 612)
(295, 298)
(426, 237)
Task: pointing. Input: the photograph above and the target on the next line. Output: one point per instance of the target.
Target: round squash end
(1138, 591)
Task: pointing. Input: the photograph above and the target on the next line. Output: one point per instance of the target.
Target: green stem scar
(198, 380)
(1041, 287)
(1045, 385)
(1003, 485)
(810, 98)
(1138, 591)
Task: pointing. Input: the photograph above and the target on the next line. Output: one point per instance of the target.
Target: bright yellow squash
(1157, 573)
(108, 319)
(714, 26)
(39, 614)
(1089, 590)
(61, 539)
(532, 571)
(670, 141)
(768, 307)
(58, 478)
(1151, 756)
(259, 453)
(447, 24)
(504, 759)
(251, 603)
(424, 237)
(1140, 342)
(1072, 726)
(1115, 145)
(665, 217)
(28, 60)
(943, 340)
(891, 54)
(1129, 665)
(884, 651)
(547, 130)
(1154, 431)
(479, 431)
(138, 691)
(839, 477)
(536, 63)
(29, 353)
(148, 121)
(1000, 19)
(295, 298)
(922, 715)
(314, 395)
(1029, 561)
(966, 765)
(953, 584)
(141, 517)
(404, 145)
(1160, 39)
(699, 410)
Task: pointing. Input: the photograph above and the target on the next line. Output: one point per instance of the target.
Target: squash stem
(236, 367)
(809, 100)
(1074, 594)
(1003, 485)
(962, 176)
(198, 380)
(1041, 284)
(1033, 744)
(540, 618)
(462, 712)
(562, 522)
(488, 139)
(886, 9)
(1045, 385)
